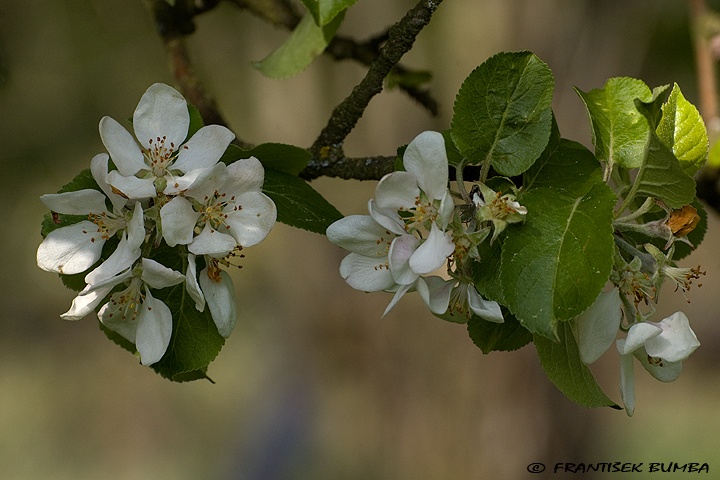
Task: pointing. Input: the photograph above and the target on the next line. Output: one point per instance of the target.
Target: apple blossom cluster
(159, 188)
(416, 238)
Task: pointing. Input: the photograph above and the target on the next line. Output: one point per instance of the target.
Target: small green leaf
(619, 132)
(283, 158)
(324, 11)
(563, 366)
(407, 79)
(306, 42)
(555, 264)
(682, 130)
(505, 337)
(298, 204)
(502, 113)
(196, 121)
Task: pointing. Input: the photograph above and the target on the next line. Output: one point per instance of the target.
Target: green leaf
(619, 132)
(196, 121)
(506, 337)
(307, 41)
(407, 79)
(298, 204)
(502, 113)
(563, 366)
(485, 272)
(455, 158)
(683, 131)
(569, 168)
(324, 11)
(555, 264)
(283, 158)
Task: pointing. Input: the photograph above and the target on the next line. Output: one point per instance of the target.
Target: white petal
(245, 175)
(366, 273)
(638, 335)
(396, 298)
(99, 170)
(220, 296)
(213, 243)
(677, 340)
(112, 317)
(401, 251)
(204, 182)
(154, 328)
(253, 221)
(204, 149)
(132, 187)
(387, 218)
(85, 303)
(425, 157)
(488, 310)
(72, 249)
(122, 147)
(178, 221)
(627, 380)
(360, 234)
(432, 254)
(158, 275)
(136, 227)
(447, 208)
(80, 202)
(598, 326)
(396, 190)
(664, 371)
(191, 284)
(435, 292)
(161, 113)
(122, 258)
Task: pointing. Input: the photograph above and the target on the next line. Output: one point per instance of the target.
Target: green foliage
(306, 42)
(502, 337)
(324, 11)
(561, 362)
(502, 113)
(681, 129)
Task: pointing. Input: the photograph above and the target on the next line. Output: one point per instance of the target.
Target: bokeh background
(313, 384)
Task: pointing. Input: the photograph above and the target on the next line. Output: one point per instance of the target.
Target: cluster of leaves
(550, 269)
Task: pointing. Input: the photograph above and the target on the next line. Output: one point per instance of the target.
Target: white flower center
(215, 207)
(107, 224)
(419, 219)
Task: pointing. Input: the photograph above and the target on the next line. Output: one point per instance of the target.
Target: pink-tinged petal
(627, 379)
(72, 249)
(122, 147)
(396, 190)
(158, 275)
(162, 113)
(154, 328)
(488, 310)
(191, 284)
(426, 159)
(213, 243)
(132, 187)
(435, 292)
(366, 273)
(204, 183)
(245, 175)
(361, 234)
(220, 297)
(677, 340)
(399, 255)
(251, 223)
(99, 170)
(204, 149)
(598, 326)
(433, 253)
(178, 219)
(80, 202)
(396, 298)
(387, 218)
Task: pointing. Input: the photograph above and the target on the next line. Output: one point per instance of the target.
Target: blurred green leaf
(283, 158)
(307, 41)
(502, 113)
(324, 11)
(407, 79)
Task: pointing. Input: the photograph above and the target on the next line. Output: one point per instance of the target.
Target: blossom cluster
(159, 188)
(414, 238)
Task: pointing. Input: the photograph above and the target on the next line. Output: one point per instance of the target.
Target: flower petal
(387, 218)
(252, 219)
(132, 187)
(158, 275)
(178, 221)
(677, 340)
(401, 251)
(432, 254)
(220, 296)
(396, 298)
(638, 335)
(397, 190)
(627, 379)
(72, 249)
(204, 149)
(435, 292)
(664, 371)
(204, 184)
(191, 284)
(488, 310)
(246, 175)
(122, 258)
(99, 170)
(598, 326)
(122, 147)
(366, 273)
(85, 303)
(162, 113)
(80, 202)
(213, 243)
(360, 234)
(154, 328)
(426, 159)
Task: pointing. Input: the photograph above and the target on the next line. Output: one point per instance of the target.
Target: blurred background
(313, 384)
